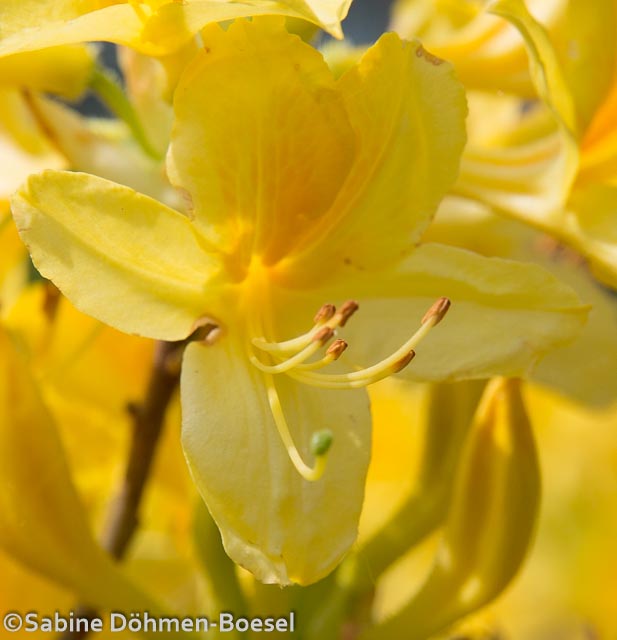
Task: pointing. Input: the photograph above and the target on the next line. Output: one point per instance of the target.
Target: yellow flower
(154, 27)
(554, 165)
(303, 189)
(486, 51)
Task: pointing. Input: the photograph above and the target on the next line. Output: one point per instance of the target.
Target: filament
(321, 451)
(318, 340)
(326, 317)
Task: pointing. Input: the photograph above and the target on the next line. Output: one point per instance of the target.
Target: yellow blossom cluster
(319, 316)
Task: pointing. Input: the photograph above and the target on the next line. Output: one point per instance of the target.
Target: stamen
(318, 341)
(324, 314)
(323, 336)
(387, 367)
(336, 349)
(357, 379)
(437, 311)
(333, 353)
(321, 441)
(346, 311)
(327, 316)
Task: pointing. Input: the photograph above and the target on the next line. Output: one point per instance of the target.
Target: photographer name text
(115, 622)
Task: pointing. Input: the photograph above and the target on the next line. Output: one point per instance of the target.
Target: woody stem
(148, 418)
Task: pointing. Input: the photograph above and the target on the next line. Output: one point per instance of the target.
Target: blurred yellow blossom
(261, 248)
(155, 27)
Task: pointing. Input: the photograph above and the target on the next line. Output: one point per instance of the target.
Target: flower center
(301, 359)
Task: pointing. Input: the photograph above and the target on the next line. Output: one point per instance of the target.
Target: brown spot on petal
(421, 52)
(187, 202)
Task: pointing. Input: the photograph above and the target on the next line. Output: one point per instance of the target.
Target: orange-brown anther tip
(325, 313)
(347, 310)
(437, 311)
(323, 335)
(337, 348)
(404, 361)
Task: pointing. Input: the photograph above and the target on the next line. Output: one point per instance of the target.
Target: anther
(390, 365)
(346, 311)
(404, 361)
(324, 314)
(323, 336)
(437, 311)
(336, 349)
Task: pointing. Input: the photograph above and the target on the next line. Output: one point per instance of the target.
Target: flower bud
(490, 521)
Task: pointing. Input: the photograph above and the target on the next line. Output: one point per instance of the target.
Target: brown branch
(148, 420)
(148, 423)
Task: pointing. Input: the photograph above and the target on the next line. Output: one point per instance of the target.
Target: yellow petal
(154, 28)
(588, 68)
(339, 152)
(526, 173)
(23, 590)
(531, 180)
(599, 145)
(174, 23)
(273, 522)
(24, 147)
(31, 24)
(119, 256)
(13, 263)
(504, 316)
(265, 160)
(61, 70)
(486, 51)
(545, 67)
(42, 523)
(104, 148)
(408, 112)
(590, 227)
(583, 370)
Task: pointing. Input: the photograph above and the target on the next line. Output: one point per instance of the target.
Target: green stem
(225, 593)
(106, 86)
